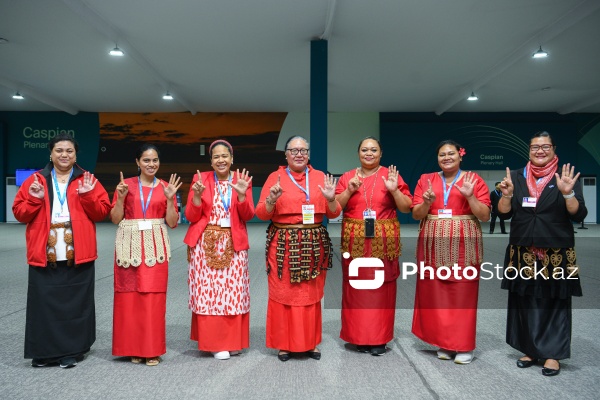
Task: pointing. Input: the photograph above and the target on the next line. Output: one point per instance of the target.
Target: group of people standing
(61, 203)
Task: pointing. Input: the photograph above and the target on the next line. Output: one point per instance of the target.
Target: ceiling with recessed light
(254, 55)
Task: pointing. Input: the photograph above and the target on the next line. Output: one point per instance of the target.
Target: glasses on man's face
(296, 151)
(544, 147)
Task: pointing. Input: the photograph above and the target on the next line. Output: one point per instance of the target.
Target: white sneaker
(463, 358)
(235, 352)
(221, 355)
(444, 354)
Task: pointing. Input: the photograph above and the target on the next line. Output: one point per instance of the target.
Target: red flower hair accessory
(462, 151)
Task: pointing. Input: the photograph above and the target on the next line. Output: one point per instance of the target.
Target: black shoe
(68, 362)
(378, 350)
(363, 349)
(505, 233)
(284, 356)
(315, 355)
(526, 363)
(39, 362)
(551, 371)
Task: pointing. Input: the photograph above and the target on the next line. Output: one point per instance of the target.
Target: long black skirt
(61, 313)
(539, 328)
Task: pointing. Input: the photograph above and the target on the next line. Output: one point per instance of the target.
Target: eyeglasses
(545, 147)
(296, 151)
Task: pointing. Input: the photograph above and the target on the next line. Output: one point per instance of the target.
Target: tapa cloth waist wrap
(385, 244)
(442, 236)
(213, 236)
(308, 249)
(129, 241)
(52, 240)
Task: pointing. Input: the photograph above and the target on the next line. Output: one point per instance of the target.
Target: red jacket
(85, 210)
(240, 212)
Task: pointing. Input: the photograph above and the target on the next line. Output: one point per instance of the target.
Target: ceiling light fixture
(3, 40)
(18, 96)
(167, 96)
(472, 97)
(116, 52)
(540, 53)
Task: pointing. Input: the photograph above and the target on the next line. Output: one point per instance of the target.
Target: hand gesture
(391, 183)
(468, 184)
(429, 194)
(329, 189)
(36, 189)
(506, 186)
(275, 192)
(122, 188)
(566, 180)
(172, 187)
(354, 183)
(242, 183)
(88, 184)
(198, 187)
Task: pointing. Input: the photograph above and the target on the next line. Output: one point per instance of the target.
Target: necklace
(369, 202)
(364, 175)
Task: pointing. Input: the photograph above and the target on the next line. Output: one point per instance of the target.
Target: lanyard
(225, 200)
(525, 176)
(307, 190)
(61, 197)
(145, 207)
(446, 189)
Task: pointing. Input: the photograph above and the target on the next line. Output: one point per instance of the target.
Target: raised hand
(329, 189)
(88, 184)
(122, 187)
(354, 183)
(567, 179)
(198, 187)
(242, 183)
(506, 186)
(36, 189)
(429, 194)
(172, 187)
(468, 184)
(391, 183)
(275, 192)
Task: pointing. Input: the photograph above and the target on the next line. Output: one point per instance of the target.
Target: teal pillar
(318, 104)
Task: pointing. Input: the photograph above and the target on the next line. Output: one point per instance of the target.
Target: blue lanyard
(225, 200)
(445, 187)
(525, 175)
(145, 207)
(61, 197)
(307, 190)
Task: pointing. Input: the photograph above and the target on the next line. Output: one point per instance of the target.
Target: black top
(549, 224)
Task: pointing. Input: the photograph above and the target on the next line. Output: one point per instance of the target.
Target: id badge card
(144, 225)
(370, 214)
(529, 202)
(445, 213)
(225, 223)
(60, 217)
(308, 213)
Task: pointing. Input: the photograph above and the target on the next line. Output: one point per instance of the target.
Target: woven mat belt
(454, 217)
(295, 226)
(61, 225)
(216, 228)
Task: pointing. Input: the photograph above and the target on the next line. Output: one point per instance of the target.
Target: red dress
(445, 310)
(139, 327)
(294, 309)
(368, 315)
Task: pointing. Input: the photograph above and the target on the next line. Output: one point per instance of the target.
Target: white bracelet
(568, 196)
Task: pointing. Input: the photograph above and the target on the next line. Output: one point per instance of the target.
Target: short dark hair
(447, 142)
(294, 138)
(369, 138)
(63, 137)
(145, 147)
(542, 134)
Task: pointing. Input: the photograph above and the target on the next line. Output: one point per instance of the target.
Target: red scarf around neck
(534, 173)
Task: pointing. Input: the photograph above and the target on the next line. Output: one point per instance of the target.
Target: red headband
(220, 141)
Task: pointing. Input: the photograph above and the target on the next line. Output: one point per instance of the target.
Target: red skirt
(445, 313)
(221, 332)
(293, 328)
(368, 315)
(139, 327)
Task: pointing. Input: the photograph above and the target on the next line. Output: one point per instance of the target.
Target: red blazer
(85, 209)
(198, 216)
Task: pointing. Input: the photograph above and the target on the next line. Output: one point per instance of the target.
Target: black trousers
(493, 223)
